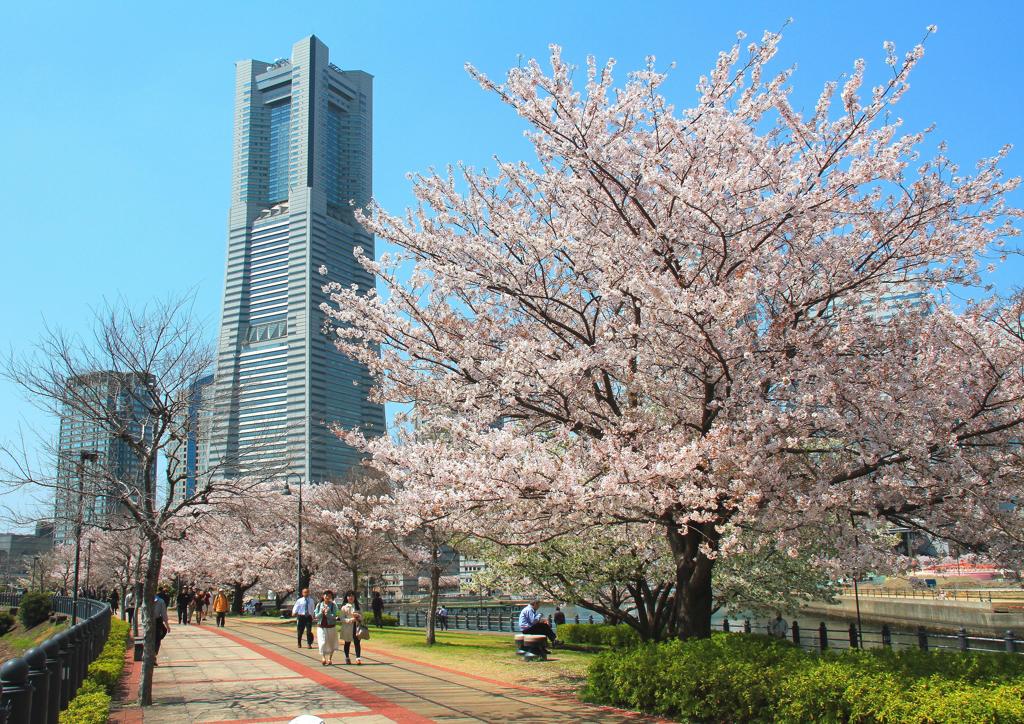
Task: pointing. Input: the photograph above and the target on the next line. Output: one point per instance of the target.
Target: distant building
(199, 427)
(468, 569)
(407, 583)
(909, 295)
(91, 459)
(302, 157)
(17, 551)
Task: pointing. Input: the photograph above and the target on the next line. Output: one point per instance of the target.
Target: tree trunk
(237, 593)
(156, 554)
(693, 577)
(435, 580)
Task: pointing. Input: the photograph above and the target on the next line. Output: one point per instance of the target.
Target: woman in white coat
(326, 617)
(351, 619)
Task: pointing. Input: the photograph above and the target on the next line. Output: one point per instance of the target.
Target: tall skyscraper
(91, 459)
(302, 158)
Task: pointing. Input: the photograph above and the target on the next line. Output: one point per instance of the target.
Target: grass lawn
(19, 639)
(485, 654)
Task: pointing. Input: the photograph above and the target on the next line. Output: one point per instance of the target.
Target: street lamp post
(88, 565)
(298, 565)
(91, 456)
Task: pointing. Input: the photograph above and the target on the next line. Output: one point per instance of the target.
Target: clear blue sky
(115, 133)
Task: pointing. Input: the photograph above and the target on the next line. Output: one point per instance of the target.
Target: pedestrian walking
(531, 622)
(129, 606)
(207, 601)
(351, 620)
(557, 619)
(377, 604)
(114, 600)
(160, 621)
(326, 615)
(442, 617)
(184, 596)
(220, 607)
(303, 613)
(778, 628)
(199, 601)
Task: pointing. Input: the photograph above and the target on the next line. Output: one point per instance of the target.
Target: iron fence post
(52, 650)
(796, 633)
(17, 691)
(853, 635)
(39, 680)
(822, 636)
(922, 638)
(1011, 643)
(961, 638)
(886, 636)
(746, 625)
(64, 642)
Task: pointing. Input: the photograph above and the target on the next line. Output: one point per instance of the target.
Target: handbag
(362, 632)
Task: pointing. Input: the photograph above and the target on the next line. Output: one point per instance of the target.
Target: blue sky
(115, 131)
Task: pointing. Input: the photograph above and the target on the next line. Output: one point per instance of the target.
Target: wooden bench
(532, 647)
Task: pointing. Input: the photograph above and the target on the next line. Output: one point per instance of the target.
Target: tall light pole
(91, 456)
(298, 566)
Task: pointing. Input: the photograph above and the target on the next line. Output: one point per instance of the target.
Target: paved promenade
(253, 673)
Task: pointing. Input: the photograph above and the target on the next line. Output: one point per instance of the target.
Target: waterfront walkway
(253, 673)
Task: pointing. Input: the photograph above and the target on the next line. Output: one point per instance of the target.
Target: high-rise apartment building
(92, 461)
(302, 160)
(197, 427)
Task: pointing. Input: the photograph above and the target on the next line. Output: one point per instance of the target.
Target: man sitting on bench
(531, 622)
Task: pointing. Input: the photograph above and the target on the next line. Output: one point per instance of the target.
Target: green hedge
(7, 622)
(91, 704)
(750, 678)
(618, 637)
(34, 608)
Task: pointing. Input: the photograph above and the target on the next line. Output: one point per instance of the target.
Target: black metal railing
(834, 635)
(480, 618)
(842, 636)
(38, 685)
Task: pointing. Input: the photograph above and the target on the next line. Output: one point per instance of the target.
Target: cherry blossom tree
(344, 529)
(58, 568)
(240, 543)
(133, 379)
(691, 318)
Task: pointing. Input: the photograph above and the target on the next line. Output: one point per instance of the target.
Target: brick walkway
(253, 673)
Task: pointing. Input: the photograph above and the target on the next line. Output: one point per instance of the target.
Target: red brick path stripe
(178, 682)
(376, 704)
(505, 684)
(128, 687)
(328, 715)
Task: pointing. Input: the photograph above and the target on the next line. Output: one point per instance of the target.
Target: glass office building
(302, 158)
(92, 461)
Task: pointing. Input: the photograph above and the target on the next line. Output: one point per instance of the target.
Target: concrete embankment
(936, 615)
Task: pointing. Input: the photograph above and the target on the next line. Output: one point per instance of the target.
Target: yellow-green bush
(596, 634)
(91, 704)
(744, 678)
(106, 669)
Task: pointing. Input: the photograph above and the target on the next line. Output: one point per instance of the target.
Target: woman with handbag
(352, 626)
(326, 616)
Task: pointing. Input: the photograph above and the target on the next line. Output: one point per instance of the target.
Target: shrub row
(91, 704)
(7, 622)
(34, 608)
(749, 678)
(618, 637)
